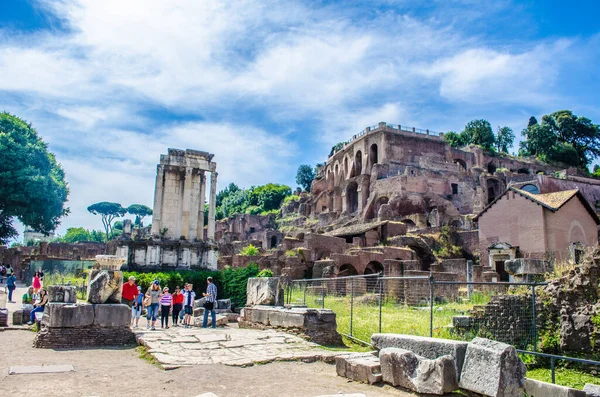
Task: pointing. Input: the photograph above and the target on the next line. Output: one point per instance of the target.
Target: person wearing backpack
(188, 305)
(136, 309)
(11, 285)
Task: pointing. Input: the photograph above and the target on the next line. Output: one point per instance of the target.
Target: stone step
(360, 367)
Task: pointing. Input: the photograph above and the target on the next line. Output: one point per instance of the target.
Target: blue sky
(269, 85)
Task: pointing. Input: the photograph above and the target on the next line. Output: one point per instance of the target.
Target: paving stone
(40, 369)
(208, 338)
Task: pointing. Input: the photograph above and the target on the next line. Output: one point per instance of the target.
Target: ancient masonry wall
(90, 336)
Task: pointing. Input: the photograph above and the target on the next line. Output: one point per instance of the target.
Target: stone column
(158, 195)
(200, 228)
(185, 208)
(212, 206)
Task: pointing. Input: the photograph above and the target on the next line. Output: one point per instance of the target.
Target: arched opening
(530, 188)
(352, 198)
(409, 223)
(491, 168)
(424, 257)
(523, 171)
(358, 163)
(372, 268)
(461, 165)
(373, 155)
(380, 201)
(347, 270)
(345, 167)
(273, 242)
(494, 189)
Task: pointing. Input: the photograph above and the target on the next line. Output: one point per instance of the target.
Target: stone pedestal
(62, 294)
(105, 286)
(84, 325)
(264, 291)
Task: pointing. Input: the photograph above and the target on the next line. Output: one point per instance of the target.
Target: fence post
(304, 301)
(431, 286)
(534, 315)
(380, 301)
(323, 295)
(552, 369)
(351, 303)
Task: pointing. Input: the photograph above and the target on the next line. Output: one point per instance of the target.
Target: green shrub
(234, 283)
(290, 198)
(249, 250)
(265, 273)
(291, 253)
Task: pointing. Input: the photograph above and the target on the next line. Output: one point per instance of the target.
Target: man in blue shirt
(209, 304)
(11, 285)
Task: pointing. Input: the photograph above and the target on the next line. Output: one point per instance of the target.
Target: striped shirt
(166, 299)
(212, 291)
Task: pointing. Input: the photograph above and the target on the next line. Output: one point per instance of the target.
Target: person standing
(177, 305)
(129, 292)
(166, 301)
(11, 285)
(153, 294)
(209, 304)
(39, 305)
(136, 309)
(36, 283)
(188, 305)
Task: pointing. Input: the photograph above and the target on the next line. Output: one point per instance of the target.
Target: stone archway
(273, 243)
(352, 198)
(347, 270)
(357, 164)
(373, 267)
(373, 156)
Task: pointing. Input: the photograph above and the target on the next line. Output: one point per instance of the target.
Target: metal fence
(426, 306)
(423, 306)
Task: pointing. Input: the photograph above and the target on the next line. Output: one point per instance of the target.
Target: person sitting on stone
(39, 305)
(27, 298)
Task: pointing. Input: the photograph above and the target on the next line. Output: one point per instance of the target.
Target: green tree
(270, 196)
(479, 132)
(230, 189)
(539, 139)
(75, 234)
(108, 211)
(32, 183)
(305, 176)
(504, 139)
(454, 139)
(140, 211)
(336, 147)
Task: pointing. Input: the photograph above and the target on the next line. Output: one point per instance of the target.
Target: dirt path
(120, 372)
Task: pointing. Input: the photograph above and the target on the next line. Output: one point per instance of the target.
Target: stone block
(62, 294)
(221, 321)
(592, 390)
(112, 315)
(18, 316)
(493, 369)
(105, 286)
(400, 367)
(536, 388)
(223, 304)
(430, 348)
(361, 367)
(61, 315)
(264, 291)
(232, 317)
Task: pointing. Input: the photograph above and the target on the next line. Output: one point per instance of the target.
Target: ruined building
(178, 237)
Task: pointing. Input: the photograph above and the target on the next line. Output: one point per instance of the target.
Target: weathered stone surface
(430, 348)
(536, 388)
(61, 315)
(318, 324)
(592, 390)
(221, 321)
(105, 286)
(62, 294)
(21, 316)
(264, 291)
(361, 367)
(492, 369)
(400, 367)
(112, 315)
(89, 336)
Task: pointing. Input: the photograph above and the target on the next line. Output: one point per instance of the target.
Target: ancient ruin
(178, 238)
(102, 321)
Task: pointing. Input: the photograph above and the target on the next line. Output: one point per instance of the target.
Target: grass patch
(144, 355)
(564, 377)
